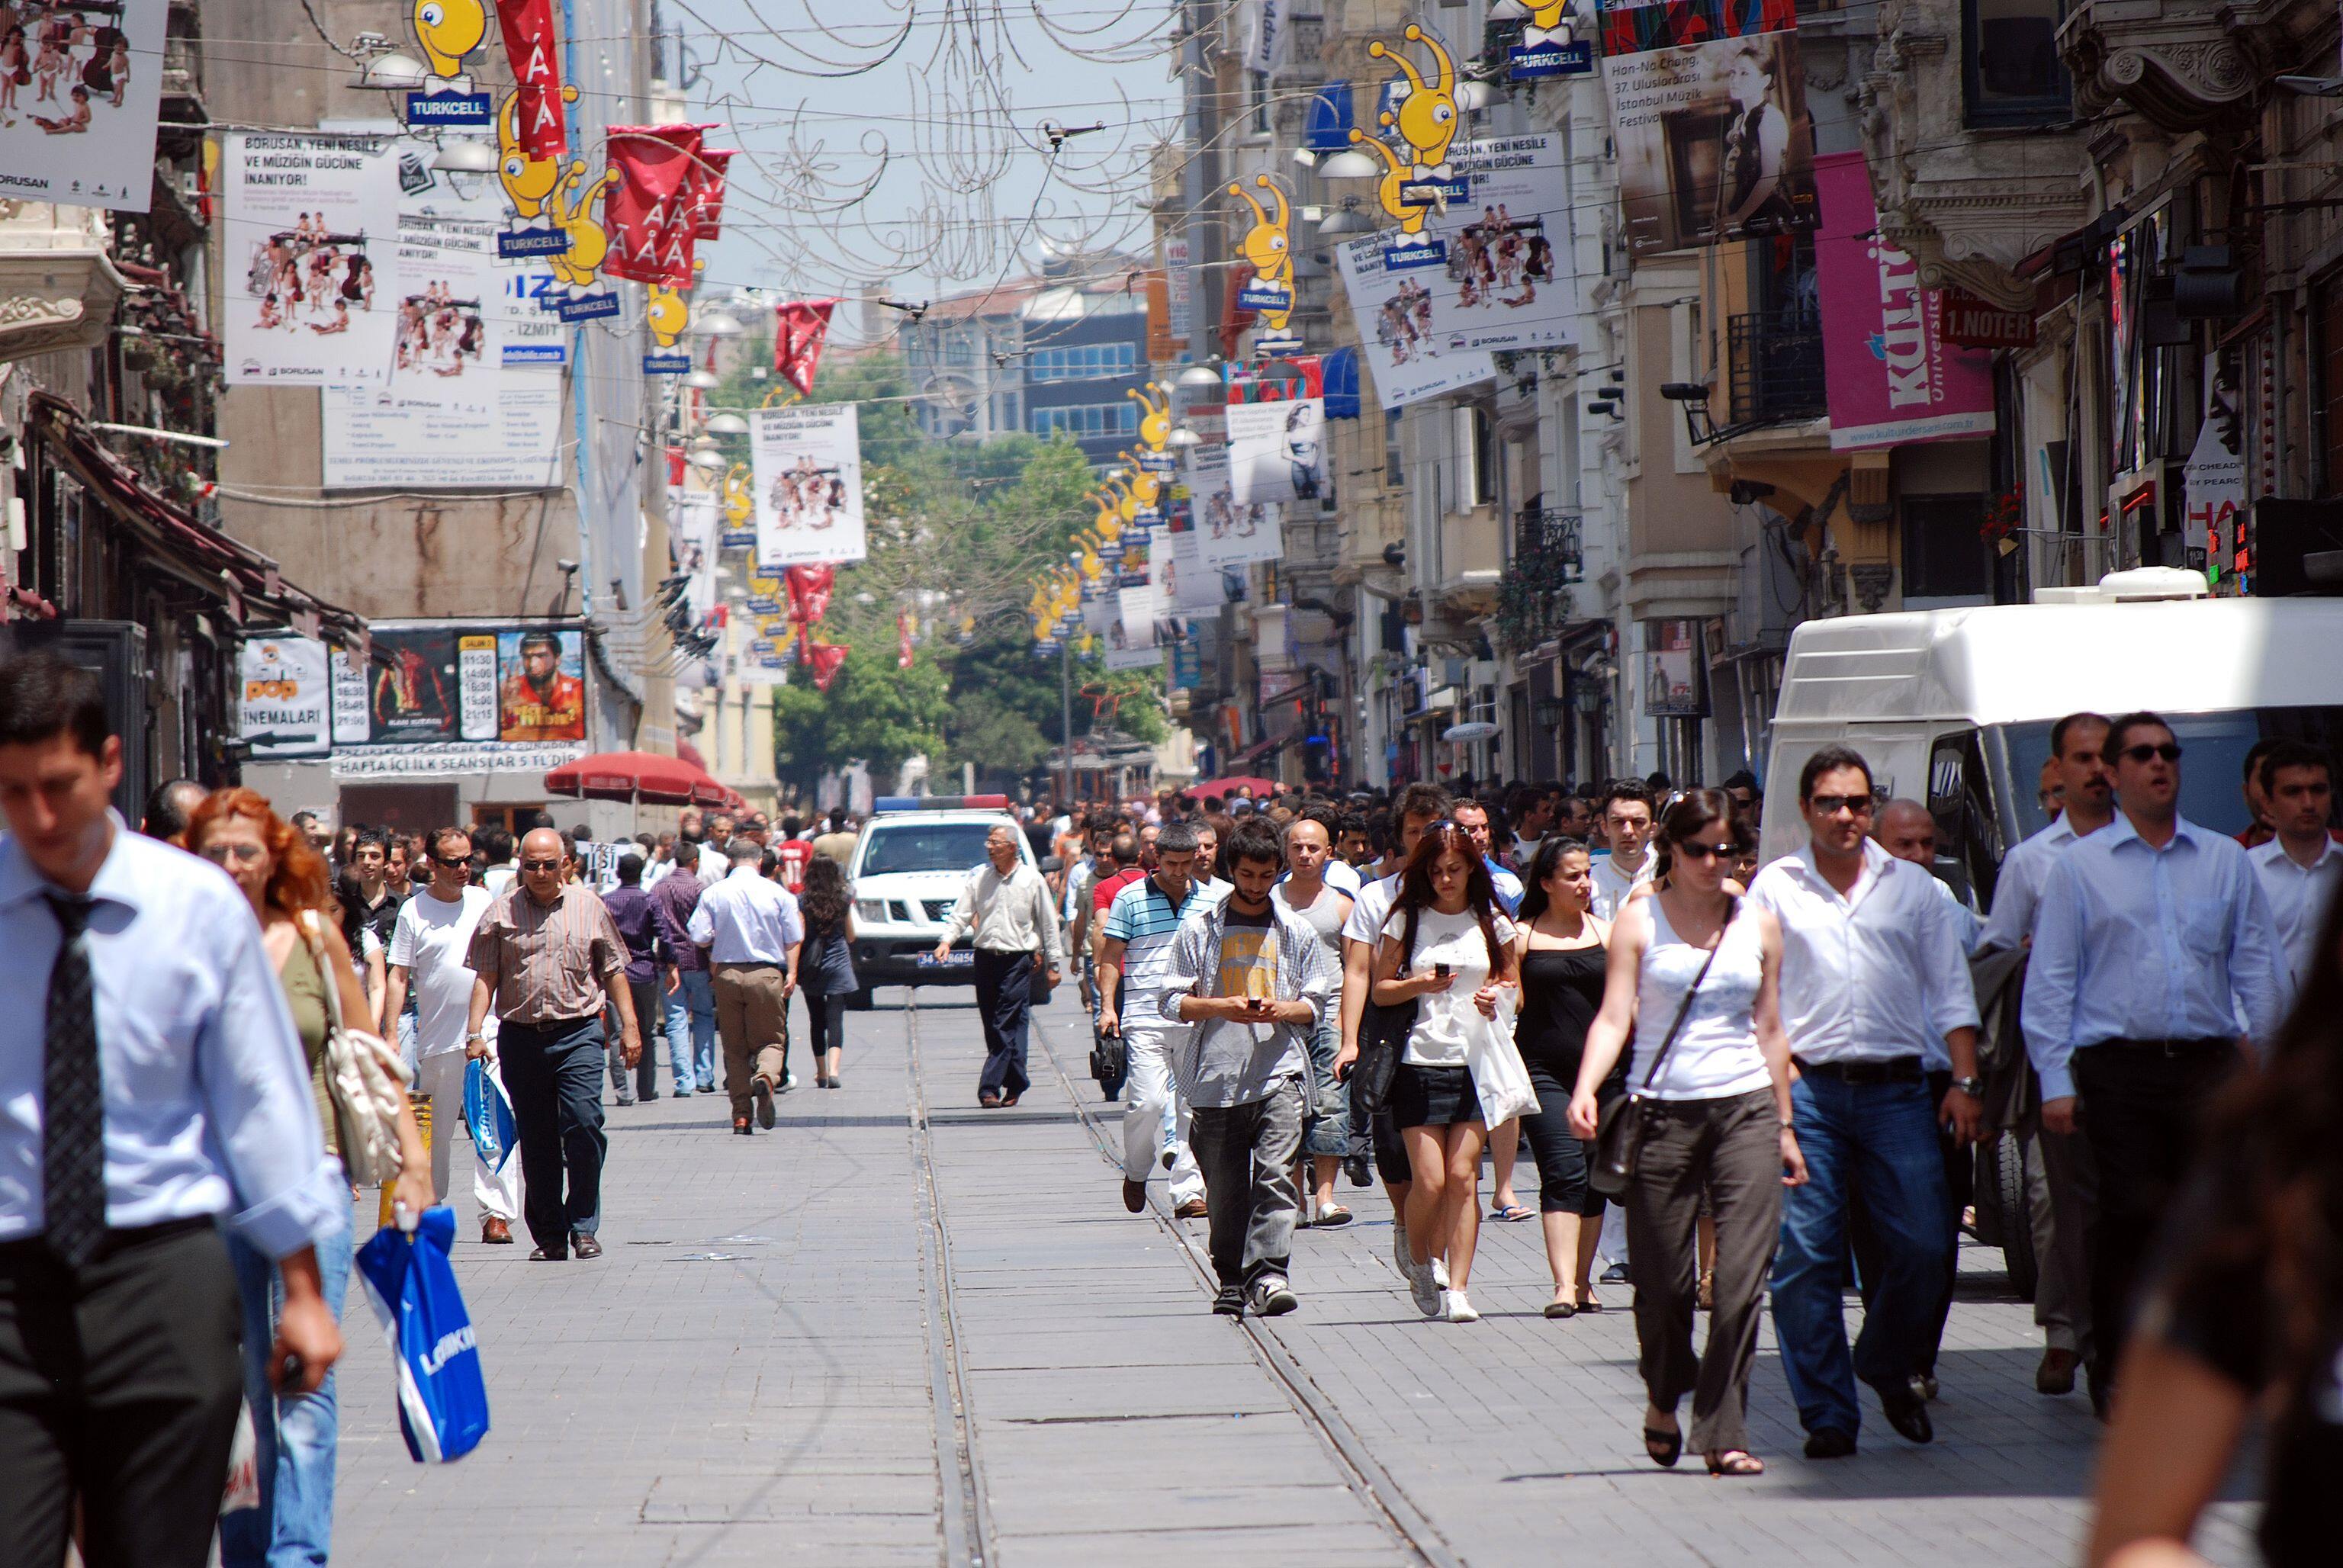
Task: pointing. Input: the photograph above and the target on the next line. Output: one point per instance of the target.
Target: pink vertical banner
(1890, 375)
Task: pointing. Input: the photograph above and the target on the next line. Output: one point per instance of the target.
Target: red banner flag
(648, 212)
(527, 29)
(708, 193)
(903, 640)
(809, 588)
(800, 329)
(821, 658)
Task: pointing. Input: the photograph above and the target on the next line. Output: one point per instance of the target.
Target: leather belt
(1894, 1069)
(2167, 1047)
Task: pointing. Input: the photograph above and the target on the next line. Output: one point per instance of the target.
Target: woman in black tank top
(1562, 955)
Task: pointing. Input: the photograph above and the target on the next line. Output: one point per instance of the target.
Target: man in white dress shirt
(748, 926)
(2300, 868)
(2153, 938)
(1007, 912)
(1627, 823)
(1873, 974)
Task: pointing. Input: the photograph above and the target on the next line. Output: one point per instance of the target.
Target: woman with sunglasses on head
(291, 892)
(1697, 976)
(1447, 946)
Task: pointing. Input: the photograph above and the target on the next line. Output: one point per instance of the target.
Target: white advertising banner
(1502, 279)
(695, 529)
(806, 463)
(287, 708)
(1189, 585)
(80, 90)
(1277, 451)
(311, 289)
(1229, 532)
(1396, 310)
(1132, 639)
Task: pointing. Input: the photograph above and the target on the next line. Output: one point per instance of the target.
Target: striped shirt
(1143, 919)
(547, 963)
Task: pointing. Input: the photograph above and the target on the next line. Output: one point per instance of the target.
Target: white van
(1954, 707)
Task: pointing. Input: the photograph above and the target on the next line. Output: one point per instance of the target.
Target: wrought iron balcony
(1776, 369)
(1533, 597)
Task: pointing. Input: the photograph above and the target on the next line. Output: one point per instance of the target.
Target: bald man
(548, 956)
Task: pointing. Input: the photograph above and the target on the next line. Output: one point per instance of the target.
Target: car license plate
(960, 958)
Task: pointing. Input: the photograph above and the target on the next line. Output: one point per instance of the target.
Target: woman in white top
(1448, 947)
(1697, 975)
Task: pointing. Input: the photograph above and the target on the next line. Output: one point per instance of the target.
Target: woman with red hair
(301, 925)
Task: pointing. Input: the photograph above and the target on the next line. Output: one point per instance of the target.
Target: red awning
(636, 776)
(1227, 785)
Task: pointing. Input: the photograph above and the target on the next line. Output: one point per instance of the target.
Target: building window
(2010, 71)
(1394, 471)
(1944, 552)
(1080, 419)
(959, 350)
(1089, 361)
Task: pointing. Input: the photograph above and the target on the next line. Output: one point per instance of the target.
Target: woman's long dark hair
(1550, 851)
(1689, 818)
(1416, 892)
(823, 903)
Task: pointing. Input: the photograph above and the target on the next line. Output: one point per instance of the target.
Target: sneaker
(1456, 1309)
(1400, 1259)
(1272, 1297)
(761, 1090)
(1229, 1302)
(1439, 1272)
(789, 1080)
(1421, 1287)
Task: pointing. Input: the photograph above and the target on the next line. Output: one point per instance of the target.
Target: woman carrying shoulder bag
(1696, 975)
(826, 976)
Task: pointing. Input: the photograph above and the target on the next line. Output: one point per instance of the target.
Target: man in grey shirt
(1254, 979)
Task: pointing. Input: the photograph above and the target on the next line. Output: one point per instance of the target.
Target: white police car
(910, 864)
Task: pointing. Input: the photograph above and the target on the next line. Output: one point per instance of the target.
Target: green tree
(872, 710)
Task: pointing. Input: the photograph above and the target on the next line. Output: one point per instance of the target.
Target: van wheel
(2016, 1218)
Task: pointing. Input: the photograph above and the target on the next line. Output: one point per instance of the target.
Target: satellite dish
(1473, 729)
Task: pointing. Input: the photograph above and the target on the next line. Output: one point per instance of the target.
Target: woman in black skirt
(826, 967)
(1561, 954)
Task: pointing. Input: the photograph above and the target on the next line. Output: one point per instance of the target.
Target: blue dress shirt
(208, 1108)
(2132, 943)
(2018, 891)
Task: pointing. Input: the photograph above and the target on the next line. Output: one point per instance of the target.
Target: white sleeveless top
(1715, 1054)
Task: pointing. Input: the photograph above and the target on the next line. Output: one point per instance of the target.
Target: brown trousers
(752, 1018)
(1730, 1149)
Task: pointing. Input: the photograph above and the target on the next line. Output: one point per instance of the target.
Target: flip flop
(1511, 1212)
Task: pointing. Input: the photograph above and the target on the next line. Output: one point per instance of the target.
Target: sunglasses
(1832, 804)
(221, 854)
(540, 865)
(2169, 751)
(1692, 850)
(451, 861)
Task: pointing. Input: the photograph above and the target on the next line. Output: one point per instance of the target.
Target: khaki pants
(752, 1016)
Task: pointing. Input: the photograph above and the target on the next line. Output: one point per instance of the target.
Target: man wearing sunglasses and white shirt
(1874, 975)
(2153, 938)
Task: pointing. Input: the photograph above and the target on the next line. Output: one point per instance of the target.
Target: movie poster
(806, 467)
(1708, 113)
(80, 90)
(288, 696)
(311, 227)
(1277, 451)
(541, 686)
(412, 690)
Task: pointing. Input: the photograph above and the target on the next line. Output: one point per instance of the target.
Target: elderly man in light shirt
(1873, 974)
(1009, 910)
(2301, 867)
(748, 927)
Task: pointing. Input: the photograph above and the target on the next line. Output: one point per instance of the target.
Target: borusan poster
(310, 228)
(80, 91)
(1395, 308)
(806, 463)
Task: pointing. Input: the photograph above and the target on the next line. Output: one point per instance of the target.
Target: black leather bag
(1382, 1038)
(1622, 1126)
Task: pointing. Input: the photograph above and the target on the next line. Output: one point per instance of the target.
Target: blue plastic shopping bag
(443, 1400)
(488, 1113)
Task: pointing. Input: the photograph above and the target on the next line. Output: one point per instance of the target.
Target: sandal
(1331, 1214)
(1562, 1309)
(1665, 1447)
(1734, 1462)
(1590, 1303)
(1511, 1212)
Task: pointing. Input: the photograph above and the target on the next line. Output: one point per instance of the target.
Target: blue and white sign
(522, 242)
(1404, 256)
(1160, 463)
(674, 362)
(587, 306)
(553, 354)
(1552, 57)
(429, 111)
(1427, 193)
(1264, 297)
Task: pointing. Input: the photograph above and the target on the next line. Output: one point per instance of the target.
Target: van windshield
(2212, 764)
(923, 847)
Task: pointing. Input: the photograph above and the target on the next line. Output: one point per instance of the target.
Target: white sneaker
(1399, 1247)
(1421, 1287)
(1456, 1309)
(1439, 1272)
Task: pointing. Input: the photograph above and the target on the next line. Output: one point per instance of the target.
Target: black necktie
(72, 1112)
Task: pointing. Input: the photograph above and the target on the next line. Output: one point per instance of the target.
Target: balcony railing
(1533, 598)
(1776, 369)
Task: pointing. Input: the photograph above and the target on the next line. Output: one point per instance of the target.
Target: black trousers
(1960, 1185)
(119, 1382)
(554, 1073)
(1004, 996)
(825, 1024)
(2141, 1107)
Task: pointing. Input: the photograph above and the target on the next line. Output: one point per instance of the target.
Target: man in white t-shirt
(1627, 822)
(430, 944)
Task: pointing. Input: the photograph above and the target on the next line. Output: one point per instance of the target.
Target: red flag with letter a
(648, 212)
(821, 658)
(810, 590)
(528, 28)
(800, 329)
(903, 640)
(708, 193)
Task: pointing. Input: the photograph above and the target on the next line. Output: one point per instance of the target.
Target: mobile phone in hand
(1440, 972)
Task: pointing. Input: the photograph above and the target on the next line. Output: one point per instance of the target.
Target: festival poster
(1708, 114)
(311, 229)
(412, 686)
(1277, 451)
(80, 91)
(1395, 307)
(541, 695)
(287, 709)
(806, 463)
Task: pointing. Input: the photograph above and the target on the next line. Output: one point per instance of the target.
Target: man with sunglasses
(2154, 937)
(1874, 975)
(430, 946)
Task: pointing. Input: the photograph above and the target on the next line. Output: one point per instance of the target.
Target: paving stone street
(900, 1329)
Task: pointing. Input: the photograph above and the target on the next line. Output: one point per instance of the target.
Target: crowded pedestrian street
(904, 1326)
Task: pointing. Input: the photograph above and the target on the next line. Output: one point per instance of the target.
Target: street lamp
(710, 322)
(464, 155)
(1184, 436)
(1348, 220)
(703, 380)
(727, 424)
(1349, 164)
(1198, 377)
(393, 72)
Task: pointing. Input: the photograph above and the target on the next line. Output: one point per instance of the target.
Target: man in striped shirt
(1134, 967)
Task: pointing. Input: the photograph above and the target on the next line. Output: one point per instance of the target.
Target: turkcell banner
(1394, 304)
(1708, 113)
(1890, 376)
(310, 225)
(80, 90)
(807, 465)
(287, 709)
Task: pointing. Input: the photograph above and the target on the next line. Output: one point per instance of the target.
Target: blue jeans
(294, 1526)
(1881, 1137)
(691, 1016)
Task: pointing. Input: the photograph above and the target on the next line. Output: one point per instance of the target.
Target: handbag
(1383, 1029)
(1499, 1079)
(1619, 1129)
(365, 1077)
(443, 1396)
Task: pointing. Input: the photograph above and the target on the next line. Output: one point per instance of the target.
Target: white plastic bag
(1498, 1075)
(243, 1464)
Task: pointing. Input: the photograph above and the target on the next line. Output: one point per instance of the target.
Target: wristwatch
(1971, 1086)
(473, 1034)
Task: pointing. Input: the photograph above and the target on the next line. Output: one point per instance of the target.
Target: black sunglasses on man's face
(540, 865)
(2143, 752)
